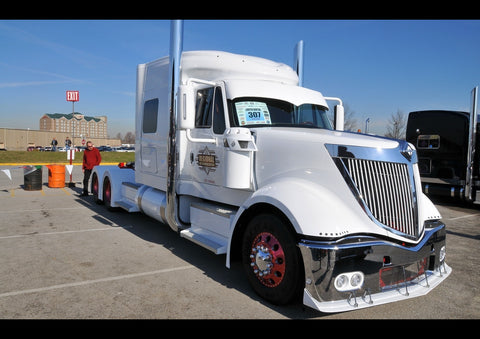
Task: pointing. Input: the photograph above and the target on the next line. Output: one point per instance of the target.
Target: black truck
(448, 149)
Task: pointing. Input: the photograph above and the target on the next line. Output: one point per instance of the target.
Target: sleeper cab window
(150, 114)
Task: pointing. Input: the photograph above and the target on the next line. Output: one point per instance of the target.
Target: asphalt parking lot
(64, 257)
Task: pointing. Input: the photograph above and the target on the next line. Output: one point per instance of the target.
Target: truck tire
(107, 195)
(272, 260)
(95, 188)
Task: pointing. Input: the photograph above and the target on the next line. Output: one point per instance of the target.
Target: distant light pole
(366, 125)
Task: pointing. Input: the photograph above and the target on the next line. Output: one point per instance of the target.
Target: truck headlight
(349, 281)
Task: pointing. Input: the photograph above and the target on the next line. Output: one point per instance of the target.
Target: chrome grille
(386, 191)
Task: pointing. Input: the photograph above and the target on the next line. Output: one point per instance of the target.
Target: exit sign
(73, 95)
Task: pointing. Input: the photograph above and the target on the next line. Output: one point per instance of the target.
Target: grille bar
(386, 191)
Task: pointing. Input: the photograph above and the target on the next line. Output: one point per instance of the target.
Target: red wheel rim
(95, 186)
(267, 259)
(108, 191)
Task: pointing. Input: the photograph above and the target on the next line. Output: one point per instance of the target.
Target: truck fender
(312, 209)
(99, 173)
(116, 176)
(426, 209)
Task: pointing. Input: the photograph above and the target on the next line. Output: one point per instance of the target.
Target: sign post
(72, 96)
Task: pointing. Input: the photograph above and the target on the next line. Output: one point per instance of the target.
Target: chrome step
(205, 239)
(210, 226)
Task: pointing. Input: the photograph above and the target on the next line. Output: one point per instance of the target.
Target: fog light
(349, 281)
(341, 281)
(357, 279)
(442, 254)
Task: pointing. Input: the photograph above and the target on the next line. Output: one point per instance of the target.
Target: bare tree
(129, 138)
(350, 121)
(397, 125)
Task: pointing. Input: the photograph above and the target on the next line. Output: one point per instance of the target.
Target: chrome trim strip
(355, 243)
(399, 154)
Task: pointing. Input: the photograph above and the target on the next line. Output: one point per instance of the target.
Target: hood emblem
(408, 151)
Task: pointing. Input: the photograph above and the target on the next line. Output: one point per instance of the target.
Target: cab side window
(203, 111)
(218, 113)
(209, 108)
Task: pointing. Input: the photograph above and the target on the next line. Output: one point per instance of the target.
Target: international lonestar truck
(235, 156)
(448, 149)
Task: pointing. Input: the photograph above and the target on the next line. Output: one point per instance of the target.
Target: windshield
(259, 112)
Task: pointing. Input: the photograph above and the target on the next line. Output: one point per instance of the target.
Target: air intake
(385, 189)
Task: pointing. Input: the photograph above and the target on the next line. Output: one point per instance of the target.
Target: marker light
(443, 253)
(349, 281)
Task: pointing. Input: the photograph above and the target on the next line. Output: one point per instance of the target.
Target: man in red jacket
(91, 158)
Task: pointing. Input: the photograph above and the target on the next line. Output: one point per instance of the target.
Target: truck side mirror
(186, 114)
(339, 117)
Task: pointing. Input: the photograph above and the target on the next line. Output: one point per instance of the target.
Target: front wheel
(272, 260)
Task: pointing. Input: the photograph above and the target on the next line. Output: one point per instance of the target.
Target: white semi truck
(235, 156)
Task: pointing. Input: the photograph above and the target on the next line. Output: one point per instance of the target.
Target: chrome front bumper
(391, 271)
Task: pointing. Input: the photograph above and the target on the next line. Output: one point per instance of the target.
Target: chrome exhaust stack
(472, 137)
(175, 54)
(298, 62)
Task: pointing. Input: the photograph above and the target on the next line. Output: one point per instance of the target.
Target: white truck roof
(247, 75)
(217, 65)
(261, 88)
(244, 76)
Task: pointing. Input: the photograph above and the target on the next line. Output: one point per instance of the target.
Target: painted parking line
(43, 209)
(43, 192)
(114, 227)
(464, 216)
(66, 192)
(94, 281)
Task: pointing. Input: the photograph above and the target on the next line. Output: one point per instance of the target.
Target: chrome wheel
(267, 259)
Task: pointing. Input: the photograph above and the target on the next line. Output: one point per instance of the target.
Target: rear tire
(94, 189)
(272, 260)
(107, 195)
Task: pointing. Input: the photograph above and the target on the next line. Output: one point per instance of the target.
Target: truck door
(206, 152)
(218, 157)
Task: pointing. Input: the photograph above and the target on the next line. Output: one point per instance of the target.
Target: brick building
(75, 124)
(19, 139)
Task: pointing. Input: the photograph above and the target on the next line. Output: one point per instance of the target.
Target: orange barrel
(56, 176)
